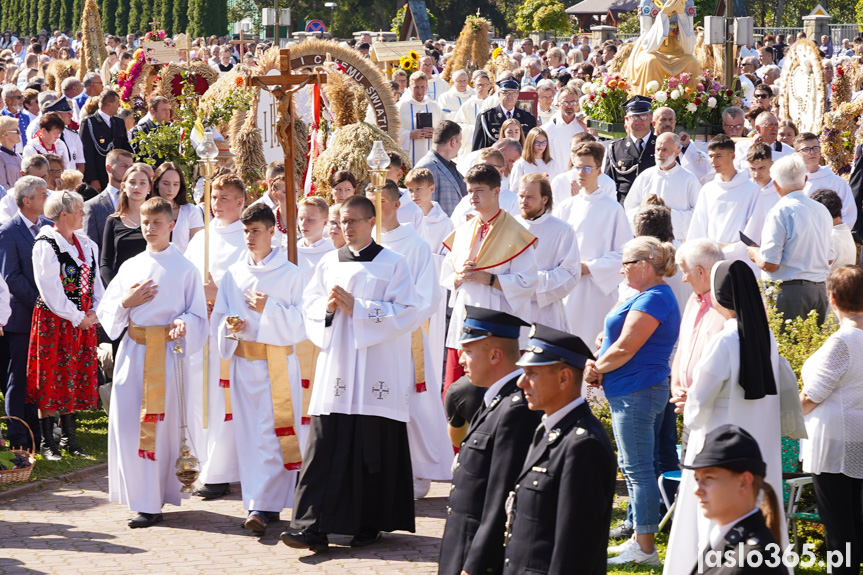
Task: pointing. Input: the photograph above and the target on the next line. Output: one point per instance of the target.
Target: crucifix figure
(155, 24)
(283, 87)
(377, 316)
(241, 42)
(381, 390)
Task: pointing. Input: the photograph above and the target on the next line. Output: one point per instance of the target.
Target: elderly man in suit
(17, 237)
(449, 186)
(100, 133)
(97, 210)
(629, 156)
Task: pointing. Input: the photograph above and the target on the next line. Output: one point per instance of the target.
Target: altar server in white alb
(156, 297)
(218, 455)
(312, 215)
(818, 177)
(435, 228)
(431, 449)
(557, 254)
(601, 228)
(677, 187)
(727, 203)
(260, 304)
(416, 140)
(453, 99)
(360, 309)
(491, 262)
(566, 184)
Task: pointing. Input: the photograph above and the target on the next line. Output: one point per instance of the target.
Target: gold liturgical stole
(504, 240)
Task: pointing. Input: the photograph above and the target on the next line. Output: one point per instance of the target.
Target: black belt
(801, 283)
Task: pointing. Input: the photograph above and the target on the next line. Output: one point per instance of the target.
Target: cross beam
(283, 87)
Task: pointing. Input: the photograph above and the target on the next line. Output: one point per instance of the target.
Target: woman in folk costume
(735, 382)
(61, 368)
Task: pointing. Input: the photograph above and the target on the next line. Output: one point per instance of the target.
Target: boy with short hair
(216, 441)
(159, 297)
(265, 291)
(312, 216)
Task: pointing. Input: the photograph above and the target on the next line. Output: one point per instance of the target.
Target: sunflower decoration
(495, 53)
(414, 56)
(409, 63)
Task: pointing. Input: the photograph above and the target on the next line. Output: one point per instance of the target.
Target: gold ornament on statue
(188, 466)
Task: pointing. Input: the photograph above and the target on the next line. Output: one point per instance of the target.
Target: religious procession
(582, 283)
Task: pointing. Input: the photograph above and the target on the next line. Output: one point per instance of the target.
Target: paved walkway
(74, 530)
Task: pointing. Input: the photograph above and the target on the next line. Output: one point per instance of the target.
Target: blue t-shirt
(651, 364)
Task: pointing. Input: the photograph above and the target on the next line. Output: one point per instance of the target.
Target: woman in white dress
(535, 158)
(832, 400)
(734, 383)
(170, 184)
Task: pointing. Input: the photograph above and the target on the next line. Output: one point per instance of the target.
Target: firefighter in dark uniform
(559, 511)
(494, 449)
(627, 157)
(487, 129)
(729, 474)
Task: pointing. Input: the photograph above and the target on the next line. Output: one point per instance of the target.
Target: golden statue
(666, 45)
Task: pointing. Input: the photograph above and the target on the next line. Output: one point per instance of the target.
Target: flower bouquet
(696, 101)
(127, 78)
(410, 63)
(606, 95)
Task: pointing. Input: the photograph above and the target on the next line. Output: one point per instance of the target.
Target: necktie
(639, 145)
(537, 439)
(34, 229)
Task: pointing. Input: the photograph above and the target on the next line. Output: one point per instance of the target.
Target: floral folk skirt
(61, 364)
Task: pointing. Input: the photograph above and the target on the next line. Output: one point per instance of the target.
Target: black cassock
(356, 472)
(562, 500)
(489, 460)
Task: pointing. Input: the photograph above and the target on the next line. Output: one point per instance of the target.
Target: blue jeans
(636, 419)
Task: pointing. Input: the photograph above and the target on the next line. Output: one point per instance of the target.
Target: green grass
(93, 437)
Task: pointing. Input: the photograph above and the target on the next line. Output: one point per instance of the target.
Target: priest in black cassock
(359, 307)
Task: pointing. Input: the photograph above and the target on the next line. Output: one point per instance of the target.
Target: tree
(543, 15)
(627, 23)
(180, 13)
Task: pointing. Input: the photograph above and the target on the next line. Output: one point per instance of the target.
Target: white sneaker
(621, 547)
(421, 487)
(634, 554)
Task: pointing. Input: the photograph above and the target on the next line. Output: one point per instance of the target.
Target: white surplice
(823, 179)
(364, 367)
(559, 139)
(724, 209)
(452, 100)
(142, 484)
(435, 228)
(741, 149)
(309, 256)
(408, 212)
(677, 187)
(408, 109)
(431, 449)
(601, 229)
(561, 187)
(466, 118)
(716, 398)
(218, 458)
(518, 280)
(266, 484)
(696, 161)
(559, 264)
(522, 167)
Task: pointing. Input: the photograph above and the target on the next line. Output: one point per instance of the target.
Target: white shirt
(561, 187)
(105, 117)
(188, 218)
(114, 194)
(522, 167)
(718, 532)
(843, 248)
(797, 237)
(495, 388)
(549, 421)
(677, 187)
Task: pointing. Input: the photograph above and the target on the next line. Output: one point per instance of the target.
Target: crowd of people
(524, 266)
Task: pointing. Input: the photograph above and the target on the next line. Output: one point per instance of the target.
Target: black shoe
(306, 539)
(213, 490)
(621, 532)
(145, 520)
(50, 448)
(68, 438)
(365, 537)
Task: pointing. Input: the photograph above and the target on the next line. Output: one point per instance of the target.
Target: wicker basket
(19, 475)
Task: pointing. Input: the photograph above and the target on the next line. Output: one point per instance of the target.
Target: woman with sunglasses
(535, 158)
(10, 162)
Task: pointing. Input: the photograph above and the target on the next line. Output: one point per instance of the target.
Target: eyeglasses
(761, 96)
(584, 169)
(540, 144)
(349, 222)
(733, 126)
(13, 132)
(508, 92)
(810, 150)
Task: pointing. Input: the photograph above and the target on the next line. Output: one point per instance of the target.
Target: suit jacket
(448, 190)
(623, 162)
(563, 500)
(487, 129)
(856, 182)
(753, 533)
(485, 470)
(94, 131)
(16, 265)
(96, 211)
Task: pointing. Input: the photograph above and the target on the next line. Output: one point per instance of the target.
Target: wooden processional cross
(282, 87)
(241, 43)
